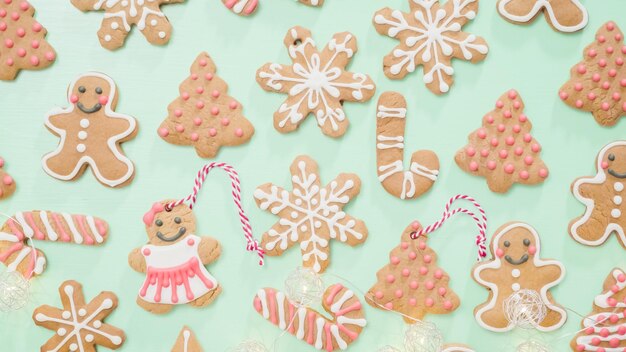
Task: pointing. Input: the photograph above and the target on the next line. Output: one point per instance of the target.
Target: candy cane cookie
(390, 128)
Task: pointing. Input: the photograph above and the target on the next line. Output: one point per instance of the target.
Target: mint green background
(533, 59)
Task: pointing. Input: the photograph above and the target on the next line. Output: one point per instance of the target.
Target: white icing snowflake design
(431, 36)
(316, 83)
(310, 214)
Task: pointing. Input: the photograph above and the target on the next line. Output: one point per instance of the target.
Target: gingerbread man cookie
(79, 326)
(516, 266)
(316, 83)
(7, 184)
(310, 215)
(187, 342)
(91, 133)
(121, 15)
(602, 196)
(174, 261)
(563, 15)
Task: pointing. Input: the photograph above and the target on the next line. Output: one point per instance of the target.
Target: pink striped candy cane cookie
(248, 7)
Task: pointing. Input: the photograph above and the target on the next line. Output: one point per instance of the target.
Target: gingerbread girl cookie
(7, 184)
(602, 196)
(174, 261)
(91, 133)
(516, 266)
(563, 15)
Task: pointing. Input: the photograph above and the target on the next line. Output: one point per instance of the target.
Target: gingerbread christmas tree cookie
(563, 15)
(7, 184)
(310, 215)
(23, 44)
(503, 150)
(317, 83)
(187, 342)
(204, 115)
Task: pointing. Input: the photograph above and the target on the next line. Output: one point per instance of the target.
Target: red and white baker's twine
(253, 244)
(481, 223)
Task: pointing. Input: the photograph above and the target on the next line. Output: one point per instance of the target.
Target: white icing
(115, 25)
(84, 123)
(162, 35)
(384, 139)
(385, 112)
(515, 287)
(186, 336)
(541, 5)
(280, 302)
(94, 230)
(618, 186)
(516, 273)
(78, 238)
(4, 236)
(81, 148)
(341, 301)
(107, 38)
(457, 349)
(616, 213)
(301, 320)
(617, 200)
(28, 231)
(319, 328)
(82, 135)
(11, 267)
(52, 235)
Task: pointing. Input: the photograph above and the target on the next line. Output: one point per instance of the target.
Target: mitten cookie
(430, 35)
(204, 115)
(16, 251)
(346, 323)
(516, 266)
(310, 215)
(7, 184)
(79, 326)
(121, 15)
(91, 134)
(605, 328)
(563, 15)
(503, 150)
(597, 83)
(412, 283)
(316, 83)
(23, 44)
(187, 342)
(602, 196)
(390, 126)
(174, 261)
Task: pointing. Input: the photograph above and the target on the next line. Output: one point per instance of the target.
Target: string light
(388, 349)
(423, 337)
(304, 287)
(250, 346)
(532, 346)
(525, 309)
(14, 291)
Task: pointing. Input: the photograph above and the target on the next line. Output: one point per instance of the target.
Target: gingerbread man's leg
(63, 165)
(113, 31)
(495, 317)
(207, 299)
(591, 229)
(111, 169)
(155, 308)
(155, 26)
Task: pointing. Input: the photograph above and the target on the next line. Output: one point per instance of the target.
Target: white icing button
(617, 200)
(66, 315)
(107, 38)
(515, 287)
(161, 35)
(82, 135)
(97, 324)
(153, 23)
(115, 25)
(82, 312)
(618, 186)
(84, 123)
(61, 332)
(73, 347)
(616, 213)
(81, 148)
(516, 273)
(89, 338)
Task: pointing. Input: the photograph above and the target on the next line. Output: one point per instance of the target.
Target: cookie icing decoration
(23, 44)
(602, 196)
(204, 115)
(310, 215)
(241, 7)
(597, 82)
(456, 348)
(390, 127)
(316, 83)
(346, 323)
(187, 342)
(23, 228)
(503, 151)
(430, 35)
(91, 133)
(79, 325)
(516, 265)
(604, 329)
(7, 183)
(121, 15)
(563, 15)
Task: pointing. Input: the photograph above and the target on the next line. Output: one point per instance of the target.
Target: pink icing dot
(535, 148)
(503, 154)
(595, 77)
(612, 72)
(624, 106)
(518, 151)
(592, 53)
(624, 49)
(24, 6)
(197, 121)
(103, 99)
(509, 168)
(482, 134)
(616, 96)
(3, 13)
(3, 26)
(194, 137)
(501, 128)
(621, 330)
(8, 43)
(512, 94)
(614, 342)
(34, 60)
(9, 62)
(604, 332)
(609, 50)
(146, 251)
(215, 111)
(191, 241)
(74, 99)
(524, 175)
(528, 160)
(389, 305)
(427, 259)
(621, 278)
(581, 69)
(615, 289)
(606, 85)
(7, 180)
(164, 132)
(509, 140)
(438, 274)
(239, 132)
(225, 122)
(199, 104)
(601, 38)
(611, 302)
(610, 25)
(517, 104)
(563, 95)
(412, 302)
(399, 293)
(429, 302)
(543, 173)
(194, 76)
(178, 113)
(613, 318)
(1, 162)
(379, 294)
(15, 16)
(212, 132)
(208, 76)
(523, 118)
(441, 291)
(494, 142)
(203, 62)
(391, 278)
(470, 151)
(8, 1)
(473, 166)
(532, 250)
(395, 260)
(579, 103)
(404, 245)
(215, 94)
(199, 90)
(20, 32)
(412, 255)
(578, 87)
(499, 104)
(413, 285)
(619, 61)
(591, 96)
(233, 105)
(185, 96)
(507, 114)
(406, 272)
(447, 305)
(180, 128)
(602, 63)
(34, 44)
(484, 153)
(37, 27)
(605, 106)
(21, 52)
(491, 165)
(421, 245)
(517, 128)
(423, 270)
(489, 119)
(528, 138)
(429, 285)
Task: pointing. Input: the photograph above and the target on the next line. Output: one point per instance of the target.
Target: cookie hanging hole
(168, 208)
(341, 102)
(297, 42)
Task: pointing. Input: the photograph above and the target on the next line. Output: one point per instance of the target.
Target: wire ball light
(423, 336)
(532, 346)
(14, 291)
(250, 346)
(304, 287)
(525, 309)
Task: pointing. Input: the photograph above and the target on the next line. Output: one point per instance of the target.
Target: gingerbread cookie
(516, 266)
(91, 133)
(602, 196)
(121, 15)
(430, 35)
(187, 342)
(7, 184)
(346, 323)
(15, 234)
(390, 126)
(79, 326)
(241, 7)
(503, 150)
(605, 328)
(412, 283)
(204, 115)
(563, 15)
(24, 45)
(174, 261)
(316, 83)
(310, 215)
(596, 83)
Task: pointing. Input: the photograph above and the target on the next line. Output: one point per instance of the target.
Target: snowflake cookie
(310, 214)
(316, 82)
(563, 15)
(430, 35)
(120, 15)
(79, 325)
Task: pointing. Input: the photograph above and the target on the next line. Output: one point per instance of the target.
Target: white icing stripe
(339, 303)
(385, 145)
(343, 320)
(385, 112)
(186, 336)
(320, 329)
(408, 181)
(457, 349)
(280, 302)
(334, 329)
(78, 238)
(94, 230)
(28, 231)
(540, 5)
(424, 171)
(4, 236)
(18, 259)
(52, 235)
(40, 264)
(301, 320)
(263, 298)
(389, 170)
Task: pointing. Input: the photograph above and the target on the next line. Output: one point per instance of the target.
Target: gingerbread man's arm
(137, 261)
(60, 121)
(549, 273)
(586, 189)
(209, 250)
(118, 125)
(485, 273)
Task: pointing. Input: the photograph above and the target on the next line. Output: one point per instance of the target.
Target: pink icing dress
(175, 273)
